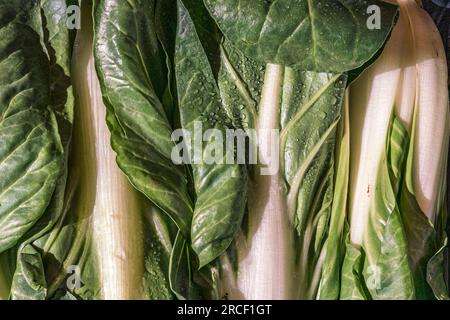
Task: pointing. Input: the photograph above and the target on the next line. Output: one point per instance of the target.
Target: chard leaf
(302, 33)
(31, 151)
(220, 188)
(352, 282)
(385, 242)
(310, 111)
(334, 245)
(426, 241)
(240, 83)
(29, 281)
(131, 66)
(158, 248)
(66, 238)
(424, 249)
(436, 274)
(180, 276)
(58, 40)
(143, 233)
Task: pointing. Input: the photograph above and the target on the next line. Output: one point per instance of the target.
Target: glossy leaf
(334, 36)
(131, 66)
(58, 41)
(220, 187)
(31, 149)
(310, 112)
(180, 275)
(334, 245)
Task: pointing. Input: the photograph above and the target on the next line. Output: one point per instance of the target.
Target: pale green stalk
(116, 221)
(431, 114)
(266, 265)
(372, 106)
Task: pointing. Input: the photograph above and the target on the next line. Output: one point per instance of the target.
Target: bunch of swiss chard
(343, 104)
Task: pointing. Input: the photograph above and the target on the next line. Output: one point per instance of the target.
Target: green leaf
(385, 243)
(426, 242)
(131, 66)
(76, 240)
(319, 35)
(59, 44)
(310, 112)
(352, 282)
(29, 282)
(180, 274)
(31, 153)
(334, 246)
(220, 188)
(158, 249)
(435, 274)
(240, 83)
(58, 40)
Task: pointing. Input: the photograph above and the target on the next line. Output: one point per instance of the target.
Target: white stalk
(432, 114)
(116, 220)
(265, 270)
(406, 94)
(372, 104)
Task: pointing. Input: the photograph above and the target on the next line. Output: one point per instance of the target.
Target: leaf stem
(265, 269)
